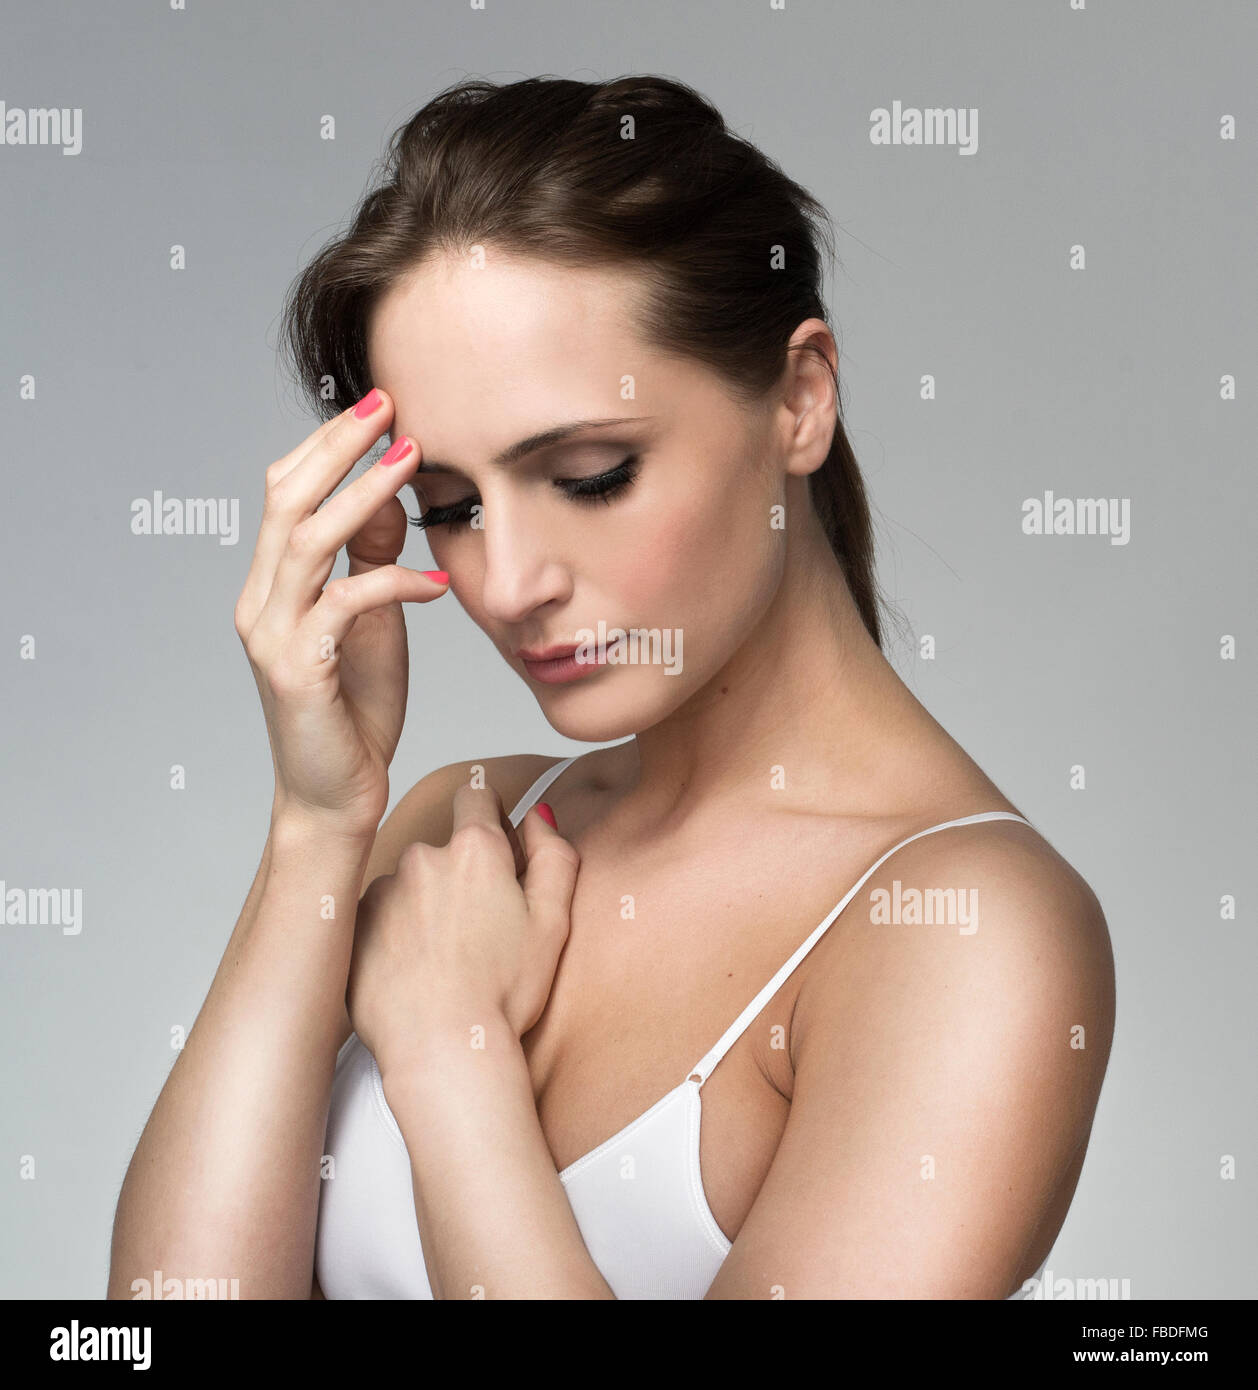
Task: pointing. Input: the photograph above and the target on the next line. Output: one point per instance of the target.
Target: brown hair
(638, 170)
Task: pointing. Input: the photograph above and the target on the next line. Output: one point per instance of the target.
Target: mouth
(558, 665)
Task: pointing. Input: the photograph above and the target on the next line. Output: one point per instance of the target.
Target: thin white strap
(538, 787)
(734, 1031)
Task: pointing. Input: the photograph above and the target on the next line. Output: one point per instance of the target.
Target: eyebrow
(543, 439)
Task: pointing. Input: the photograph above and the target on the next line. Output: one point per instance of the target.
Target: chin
(606, 708)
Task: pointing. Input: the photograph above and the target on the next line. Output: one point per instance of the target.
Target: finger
(379, 540)
(345, 600)
(272, 537)
(483, 806)
(332, 452)
(551, 876)
(281, 467)
(297, 484)
(267, 550)
(315, 541)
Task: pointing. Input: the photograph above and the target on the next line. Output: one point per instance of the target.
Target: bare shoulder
(982, 950)
(425, 811)
(949, 1042)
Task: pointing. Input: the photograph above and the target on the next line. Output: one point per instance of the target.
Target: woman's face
(679, 548)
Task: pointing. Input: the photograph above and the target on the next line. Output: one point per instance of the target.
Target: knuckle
(378, 886)
(415, 856)
(275, 500)
(303, 539)
(255, 640)
(561, 849)
(280, 680)
(339, 591)
(475, 838)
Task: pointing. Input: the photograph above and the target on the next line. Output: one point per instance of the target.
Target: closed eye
(600, 488)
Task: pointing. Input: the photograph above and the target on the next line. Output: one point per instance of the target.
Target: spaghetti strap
(703, 1070)
(538, 787)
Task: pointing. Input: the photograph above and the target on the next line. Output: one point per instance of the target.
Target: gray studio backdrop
(1079, 286)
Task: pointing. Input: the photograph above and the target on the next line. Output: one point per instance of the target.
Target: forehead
(511, 335)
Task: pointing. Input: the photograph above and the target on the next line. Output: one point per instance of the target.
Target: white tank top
(638, 1198)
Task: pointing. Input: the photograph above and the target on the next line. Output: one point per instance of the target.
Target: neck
(809, 693)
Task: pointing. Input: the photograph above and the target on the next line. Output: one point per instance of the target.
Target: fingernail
(547, 814)
(398, 450)
(439, 575)
(370, 403)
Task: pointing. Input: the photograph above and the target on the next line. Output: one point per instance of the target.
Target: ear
(809, 399)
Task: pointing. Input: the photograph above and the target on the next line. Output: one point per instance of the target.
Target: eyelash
(600, 488)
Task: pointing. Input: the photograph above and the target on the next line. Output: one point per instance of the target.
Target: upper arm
(944, 1082)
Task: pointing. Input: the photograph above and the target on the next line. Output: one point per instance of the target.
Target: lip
(558, 665)
(547, 653)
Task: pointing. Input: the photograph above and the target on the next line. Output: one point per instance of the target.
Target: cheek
(460, 555)
(644, 570)
(698, 564)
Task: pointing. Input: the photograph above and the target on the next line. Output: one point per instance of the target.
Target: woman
(590, 320)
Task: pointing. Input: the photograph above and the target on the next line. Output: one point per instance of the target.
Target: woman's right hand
(330, 659)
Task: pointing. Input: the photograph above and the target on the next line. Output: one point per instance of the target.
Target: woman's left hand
(454, 934)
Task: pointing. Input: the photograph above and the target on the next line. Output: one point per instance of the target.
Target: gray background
(202, 128)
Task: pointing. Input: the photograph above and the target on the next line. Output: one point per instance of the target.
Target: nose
(523, 570)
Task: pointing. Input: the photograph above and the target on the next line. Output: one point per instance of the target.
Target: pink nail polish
(398, 450)
(369, 404)
(546, 814)
(440, 576)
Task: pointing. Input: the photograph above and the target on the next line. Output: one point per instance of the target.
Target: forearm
(224, 1181)
(493, 1217)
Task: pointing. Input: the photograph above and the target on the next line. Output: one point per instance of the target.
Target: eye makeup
(602, 487)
